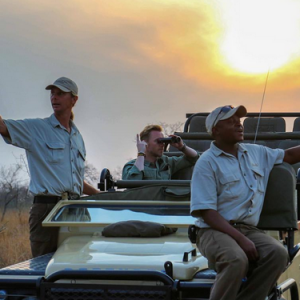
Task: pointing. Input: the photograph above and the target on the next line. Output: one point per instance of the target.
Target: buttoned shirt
(234, 187)
(162, 169)
(55, 156)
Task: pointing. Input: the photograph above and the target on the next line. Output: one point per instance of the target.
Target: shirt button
(251, 185)
(72, 160)
(244, 174)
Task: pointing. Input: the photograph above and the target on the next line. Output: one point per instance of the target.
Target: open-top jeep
(139, 243)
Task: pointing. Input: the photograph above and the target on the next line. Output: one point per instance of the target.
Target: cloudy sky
(145, 61)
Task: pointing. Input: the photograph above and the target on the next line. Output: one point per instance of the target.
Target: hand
(178, 145)
(249, 248)
(141, 145)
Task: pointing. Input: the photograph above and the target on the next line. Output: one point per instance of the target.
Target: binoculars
(173, 139)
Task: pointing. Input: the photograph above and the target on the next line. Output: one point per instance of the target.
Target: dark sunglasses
(224, 109)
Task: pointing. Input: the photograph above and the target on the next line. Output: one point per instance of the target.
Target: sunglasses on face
(224, 109)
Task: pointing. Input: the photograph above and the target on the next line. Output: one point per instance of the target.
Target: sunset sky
(145, 61)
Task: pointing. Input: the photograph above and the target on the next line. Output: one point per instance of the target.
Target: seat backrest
(197, 124)
(258, 142)
(276, 124)
(198, 145)
(296, 124)
(280, 204)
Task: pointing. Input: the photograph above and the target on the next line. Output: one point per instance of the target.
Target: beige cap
(65, 84)
(223, 113)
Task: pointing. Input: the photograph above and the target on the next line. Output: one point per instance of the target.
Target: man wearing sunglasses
(150, 163)
(227, 194)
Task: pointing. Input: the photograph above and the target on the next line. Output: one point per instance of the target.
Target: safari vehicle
(139, 243)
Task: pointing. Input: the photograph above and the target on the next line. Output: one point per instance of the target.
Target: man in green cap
(56, 155)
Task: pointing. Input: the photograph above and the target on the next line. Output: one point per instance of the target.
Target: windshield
(108, 214)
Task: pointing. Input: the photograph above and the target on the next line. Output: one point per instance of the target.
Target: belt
(46, 199)
(233, 223)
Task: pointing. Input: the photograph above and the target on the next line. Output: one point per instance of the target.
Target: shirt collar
(157, 163)
(217, 151)
(55, 123)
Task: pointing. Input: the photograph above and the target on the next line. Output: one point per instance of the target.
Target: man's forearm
(217, 222)
(189, 152)
(139, 163)
(292, 155)
(89, 190)
(3, 129)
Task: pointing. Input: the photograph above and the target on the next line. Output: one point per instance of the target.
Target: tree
(171, 128)
(13, 189)
(91, 174)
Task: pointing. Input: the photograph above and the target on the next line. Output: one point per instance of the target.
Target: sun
(259, 34)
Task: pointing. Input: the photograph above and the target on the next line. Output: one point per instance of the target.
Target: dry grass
(14, 238)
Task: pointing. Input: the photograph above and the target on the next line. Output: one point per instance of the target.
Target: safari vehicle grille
(58, 291)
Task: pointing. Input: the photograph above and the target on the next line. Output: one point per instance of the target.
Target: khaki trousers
(232, 265)
(43, 240)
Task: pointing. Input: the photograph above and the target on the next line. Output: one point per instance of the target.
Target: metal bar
(139, 183)
(111, 275)
(189, 116)
(247, 136)
(255, 114)
(289, 284)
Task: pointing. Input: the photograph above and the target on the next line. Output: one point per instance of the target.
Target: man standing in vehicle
(151, 164)
(56, 155)
(227, 194)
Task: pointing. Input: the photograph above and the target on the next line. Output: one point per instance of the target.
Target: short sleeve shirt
(163, 169)
(234, 187)
(55, 156)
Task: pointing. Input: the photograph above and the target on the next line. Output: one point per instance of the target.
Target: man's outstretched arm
(3, 129)
(292, 155)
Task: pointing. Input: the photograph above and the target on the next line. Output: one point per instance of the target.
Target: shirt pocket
(55, 152)
(149, 174)
(230, 184)
(259, 176)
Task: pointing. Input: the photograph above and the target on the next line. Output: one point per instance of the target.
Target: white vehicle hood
(100, 253)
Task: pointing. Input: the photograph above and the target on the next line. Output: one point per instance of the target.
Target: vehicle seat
(296, 125)
(197, 124)
(276, 124)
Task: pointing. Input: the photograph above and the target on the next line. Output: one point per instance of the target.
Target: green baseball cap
(65, 84)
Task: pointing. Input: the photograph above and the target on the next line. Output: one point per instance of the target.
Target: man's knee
(235, 262)
(280, 255)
